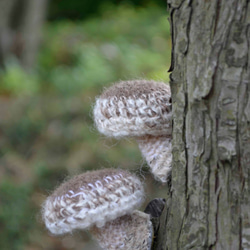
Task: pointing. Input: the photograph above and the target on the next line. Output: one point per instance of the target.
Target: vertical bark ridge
(179, 202)
(211, 125)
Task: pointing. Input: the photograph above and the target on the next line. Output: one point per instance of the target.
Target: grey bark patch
(209, 201)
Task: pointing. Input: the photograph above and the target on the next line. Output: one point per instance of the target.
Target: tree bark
(209, 202)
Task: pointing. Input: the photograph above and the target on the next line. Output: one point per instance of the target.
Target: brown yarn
(76, 182)
(135, 89)
(129, 232)
(140, 109)
(92, 198)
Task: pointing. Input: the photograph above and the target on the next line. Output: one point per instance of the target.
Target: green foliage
(47, 131)
(14, 80)
(22, 132)
(76, 57)
(48, 178)
(79, 56)
(16, 215)
(91, 69)
(75, 9)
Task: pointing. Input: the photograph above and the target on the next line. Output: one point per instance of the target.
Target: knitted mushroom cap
(134, 108)
(157, 152)
(133, 231)
(92, 198)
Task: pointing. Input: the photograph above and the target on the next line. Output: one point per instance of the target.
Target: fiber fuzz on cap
(157, 151)
(141, 109)
(92, 198)
(134, 108)
(129, 232)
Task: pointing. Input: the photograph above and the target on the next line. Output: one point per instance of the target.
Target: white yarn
(136, 109)
(94, 204)
(158, 154)
(119, 117)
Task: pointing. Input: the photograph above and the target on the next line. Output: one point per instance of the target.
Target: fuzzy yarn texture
(157, 152)
(134, 108)
(140, 109)
(129, 232)
(92, 198)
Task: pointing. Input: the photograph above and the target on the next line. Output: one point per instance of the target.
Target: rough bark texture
(209, 202)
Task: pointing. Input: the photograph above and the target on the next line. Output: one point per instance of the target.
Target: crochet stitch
(140, 109)
(134, 108)
(157, 152)
(92, 198)
(134, 231)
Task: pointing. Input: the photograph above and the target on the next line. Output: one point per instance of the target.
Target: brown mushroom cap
(134, 108)
(134, 89)
(92, 198)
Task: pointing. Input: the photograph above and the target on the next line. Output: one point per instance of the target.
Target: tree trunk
(6, 7)
(35, 13)
(209, 202)
(21, 23)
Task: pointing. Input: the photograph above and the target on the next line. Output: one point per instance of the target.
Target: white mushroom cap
(134, 108)
(92, 198)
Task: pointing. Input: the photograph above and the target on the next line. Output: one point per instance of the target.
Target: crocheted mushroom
(103, 201)
(133, 231)
(140, 109)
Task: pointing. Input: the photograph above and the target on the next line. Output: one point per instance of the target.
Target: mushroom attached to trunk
(103, 201)
(140, 109)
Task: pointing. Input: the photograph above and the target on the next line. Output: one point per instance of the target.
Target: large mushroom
(105, 202)
(140, 109)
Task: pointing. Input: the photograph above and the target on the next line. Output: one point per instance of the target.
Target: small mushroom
(132, 231)
(103, 201)
(140, 109)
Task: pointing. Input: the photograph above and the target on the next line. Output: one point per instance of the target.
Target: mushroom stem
(140, 109)
(132, 231)
(157, 152)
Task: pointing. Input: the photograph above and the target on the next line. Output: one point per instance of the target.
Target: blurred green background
(46, 125)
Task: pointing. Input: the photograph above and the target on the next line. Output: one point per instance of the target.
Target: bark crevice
(211, 129)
